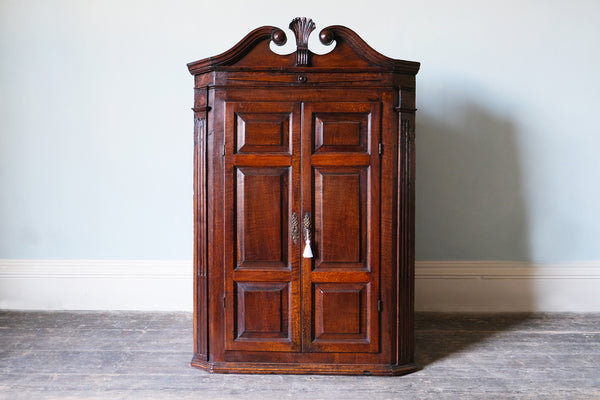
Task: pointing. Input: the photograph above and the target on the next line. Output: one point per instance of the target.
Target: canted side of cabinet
(304, 208)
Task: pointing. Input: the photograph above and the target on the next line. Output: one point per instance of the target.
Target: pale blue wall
(96, 131)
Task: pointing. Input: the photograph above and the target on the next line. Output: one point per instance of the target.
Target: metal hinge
(224, 301)
(379, 305)
(380, 148)
(223, 148)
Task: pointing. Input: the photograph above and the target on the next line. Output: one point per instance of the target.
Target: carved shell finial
(302, 27)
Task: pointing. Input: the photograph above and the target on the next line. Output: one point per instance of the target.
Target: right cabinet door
(340, 201)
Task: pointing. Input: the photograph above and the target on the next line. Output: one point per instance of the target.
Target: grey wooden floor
(114, 355)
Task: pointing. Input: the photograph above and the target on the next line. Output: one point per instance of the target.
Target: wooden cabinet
(304, 207)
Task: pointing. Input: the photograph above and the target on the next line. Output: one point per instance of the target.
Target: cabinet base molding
(303, 368)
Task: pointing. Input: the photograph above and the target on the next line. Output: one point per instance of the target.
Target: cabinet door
(340, 191)
(262, 156)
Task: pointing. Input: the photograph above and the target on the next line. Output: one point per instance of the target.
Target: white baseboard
(96, 285)
(447, 286)
(507, 286)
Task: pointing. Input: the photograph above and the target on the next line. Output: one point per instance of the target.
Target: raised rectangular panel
(262, 322)
(342, 311)
(262, 132)
(341, 132)
(262, 310)
(262, 217)
(342, 318)
(341, 213)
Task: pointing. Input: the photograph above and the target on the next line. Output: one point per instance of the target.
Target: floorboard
(138, 355)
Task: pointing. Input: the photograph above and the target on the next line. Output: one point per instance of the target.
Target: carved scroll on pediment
(350, 51)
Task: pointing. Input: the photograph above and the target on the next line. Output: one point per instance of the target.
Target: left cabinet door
(262, 274)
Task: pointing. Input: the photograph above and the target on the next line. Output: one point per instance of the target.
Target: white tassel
(307, 250)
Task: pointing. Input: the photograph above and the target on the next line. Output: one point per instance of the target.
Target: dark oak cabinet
(304, 207)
